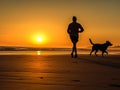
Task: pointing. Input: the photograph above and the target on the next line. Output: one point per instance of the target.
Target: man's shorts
(74, 39)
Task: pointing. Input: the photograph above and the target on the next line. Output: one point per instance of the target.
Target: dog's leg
(96, 52)
(106, 52)
(103, 53)
(91, 52)
(72, 52)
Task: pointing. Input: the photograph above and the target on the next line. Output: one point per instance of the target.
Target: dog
(100, 47)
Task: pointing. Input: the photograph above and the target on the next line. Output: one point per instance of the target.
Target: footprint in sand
(114, 85)
(76, 80)
(41, 77)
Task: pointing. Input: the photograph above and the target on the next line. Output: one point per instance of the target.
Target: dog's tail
(91, 41)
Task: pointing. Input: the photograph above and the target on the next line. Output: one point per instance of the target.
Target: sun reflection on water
(38, 53)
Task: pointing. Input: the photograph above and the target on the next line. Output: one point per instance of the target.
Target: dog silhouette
(100, 47)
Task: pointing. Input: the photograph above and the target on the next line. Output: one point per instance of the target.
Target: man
(73, 30)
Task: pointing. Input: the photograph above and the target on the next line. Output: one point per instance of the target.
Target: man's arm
(81, 28)
(68, 30)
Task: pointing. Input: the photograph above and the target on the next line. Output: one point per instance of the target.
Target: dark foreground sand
(59, 72)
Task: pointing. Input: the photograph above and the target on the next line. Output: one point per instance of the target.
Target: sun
(39, 39)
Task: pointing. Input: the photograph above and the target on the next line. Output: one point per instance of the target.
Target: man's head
(74, 19)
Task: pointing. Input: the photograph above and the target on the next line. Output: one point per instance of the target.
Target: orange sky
(23, 21)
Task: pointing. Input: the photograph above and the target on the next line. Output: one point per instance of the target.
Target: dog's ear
(107, 41)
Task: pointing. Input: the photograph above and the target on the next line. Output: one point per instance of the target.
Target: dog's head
(108, 43)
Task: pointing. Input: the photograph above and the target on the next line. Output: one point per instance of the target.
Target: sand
(59, 72)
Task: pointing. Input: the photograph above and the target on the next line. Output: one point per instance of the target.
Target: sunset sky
(43, 23)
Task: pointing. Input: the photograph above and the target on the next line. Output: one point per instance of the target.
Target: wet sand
(59, 72)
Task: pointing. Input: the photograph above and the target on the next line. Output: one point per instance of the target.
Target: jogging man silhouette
(73, 30)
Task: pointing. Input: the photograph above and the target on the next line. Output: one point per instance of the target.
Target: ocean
(53, 52)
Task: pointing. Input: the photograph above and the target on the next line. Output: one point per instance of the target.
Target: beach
(59, 72)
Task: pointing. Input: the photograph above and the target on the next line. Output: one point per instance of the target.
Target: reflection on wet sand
(38, 53)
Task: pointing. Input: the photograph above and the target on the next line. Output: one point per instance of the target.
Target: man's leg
(75, 49)
(72, 50)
